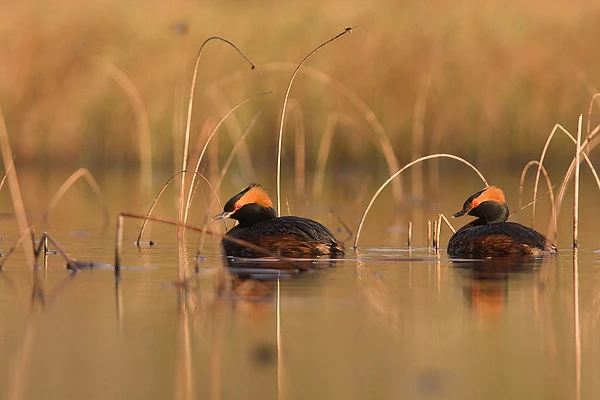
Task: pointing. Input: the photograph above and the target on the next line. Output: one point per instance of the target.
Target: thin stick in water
(428, 235)
(118, 247)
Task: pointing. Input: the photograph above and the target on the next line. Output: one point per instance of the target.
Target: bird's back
(505, 238)
(287, 236)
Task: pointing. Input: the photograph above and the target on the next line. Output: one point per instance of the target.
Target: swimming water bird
(286, 236)
(490, 234)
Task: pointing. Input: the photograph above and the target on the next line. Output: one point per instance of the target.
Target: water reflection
(486, 281)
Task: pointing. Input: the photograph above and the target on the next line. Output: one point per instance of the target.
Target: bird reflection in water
(486, 281)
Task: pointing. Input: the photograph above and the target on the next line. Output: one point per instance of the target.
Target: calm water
(391, 324)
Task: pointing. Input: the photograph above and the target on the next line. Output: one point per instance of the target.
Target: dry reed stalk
(448, 223)
(118, 247)
(141, 118)
(283, 110)
(212, 134)
(589, 121)
(428, 235)
(589, 144)
(451, 156)
(15, 191)
(409, 240)
(177, 105)
(235, 129)
(585, 145)
(119, 306)
(576, 185)
(72, 265)
(6, 174)
(368, 114)
(439, 232)
(548, 182)
(80, 173)
(45, 259)
(300, 152)
(435, 238)
(158, 196)
(322, 156)
(188, 124)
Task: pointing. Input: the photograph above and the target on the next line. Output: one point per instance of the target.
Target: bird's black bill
(223, 215)
(459, 214)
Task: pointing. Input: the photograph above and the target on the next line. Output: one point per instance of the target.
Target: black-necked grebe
(285, 236)
(490, 234)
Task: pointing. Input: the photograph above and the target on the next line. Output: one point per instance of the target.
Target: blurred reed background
(485, 80)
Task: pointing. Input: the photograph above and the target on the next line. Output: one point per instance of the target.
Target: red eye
(475, 204)
(237, 207)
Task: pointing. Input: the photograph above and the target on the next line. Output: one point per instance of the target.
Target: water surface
(387, 323)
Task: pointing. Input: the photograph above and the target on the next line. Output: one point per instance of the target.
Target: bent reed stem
(451, 156)
(285, 101)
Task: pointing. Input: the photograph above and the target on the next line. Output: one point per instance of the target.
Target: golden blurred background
(485, 80)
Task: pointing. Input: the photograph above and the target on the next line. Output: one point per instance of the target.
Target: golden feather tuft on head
(255, 194)
(492, 193)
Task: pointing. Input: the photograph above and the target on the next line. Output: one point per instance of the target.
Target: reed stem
(285, 101)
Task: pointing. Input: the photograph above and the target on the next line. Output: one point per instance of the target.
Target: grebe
(490, 234)
(285, 236)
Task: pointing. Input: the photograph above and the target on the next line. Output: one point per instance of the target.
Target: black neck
(251, 214)
(491, 212)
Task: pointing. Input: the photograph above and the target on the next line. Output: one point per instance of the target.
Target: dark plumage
(490, 234)
(285, 236)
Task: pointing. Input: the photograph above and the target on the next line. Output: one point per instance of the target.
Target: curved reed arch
(141, 117)
(548, 183)
(429, 157)
(149, 214)
(186, 138)
(80, 173)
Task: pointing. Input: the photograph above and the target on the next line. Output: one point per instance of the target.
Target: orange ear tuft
(256, 194)
(491, 193)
